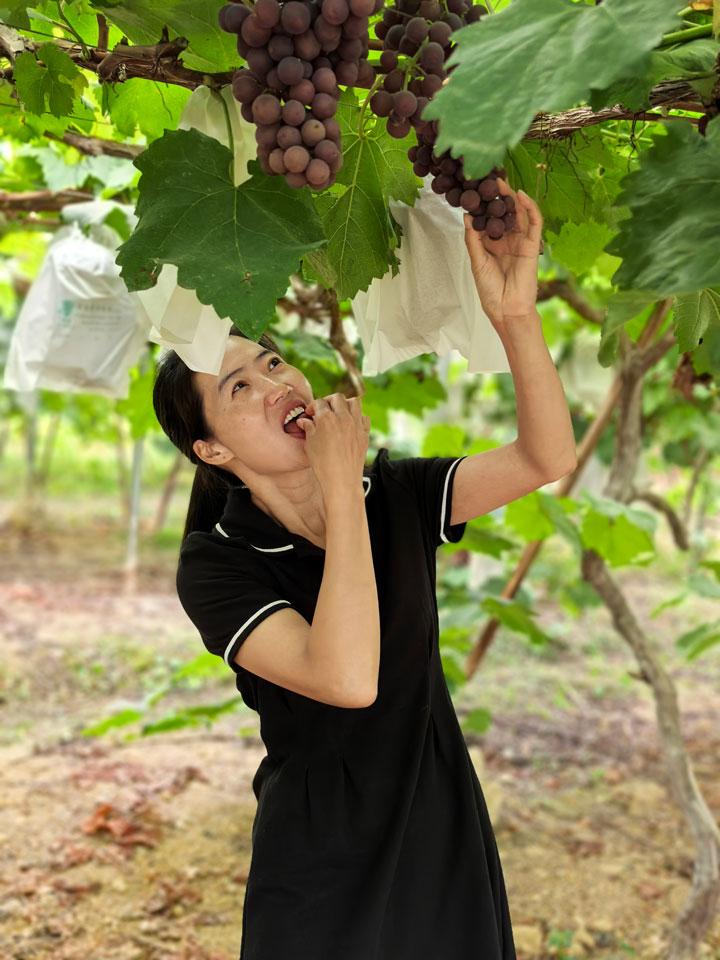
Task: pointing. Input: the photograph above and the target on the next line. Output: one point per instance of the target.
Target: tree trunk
(123, 481)
(132, 553)
(167, 492)
(701, 905)
(48, 448)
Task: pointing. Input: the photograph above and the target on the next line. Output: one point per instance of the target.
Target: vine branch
(160, 62)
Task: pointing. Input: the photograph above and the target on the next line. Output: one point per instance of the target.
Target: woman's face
(245, 408)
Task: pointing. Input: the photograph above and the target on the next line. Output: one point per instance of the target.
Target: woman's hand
(336, 441)
(506, 270)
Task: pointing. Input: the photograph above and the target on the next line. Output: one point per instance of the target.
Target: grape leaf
(361, 232)
(693, 62)
(50, 82)
(235, 246)
(148, 105)
(571, 180)
(578, 245)
(15, 14)
(210, 48)
(64, 169)
(622, 307)
(669, 244)
(537, 56)
(694, 313)
(619, 533)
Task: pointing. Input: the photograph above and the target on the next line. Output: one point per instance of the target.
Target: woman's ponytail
(207, 499)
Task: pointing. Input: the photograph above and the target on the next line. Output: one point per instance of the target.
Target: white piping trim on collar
(452, 467)
(291, 546)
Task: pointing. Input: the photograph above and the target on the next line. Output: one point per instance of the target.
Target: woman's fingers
(533, 218)
(474, 241)
(520, 212)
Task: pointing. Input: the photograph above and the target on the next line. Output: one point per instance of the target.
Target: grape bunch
(297, 53)
(491, 211)
(416, 46)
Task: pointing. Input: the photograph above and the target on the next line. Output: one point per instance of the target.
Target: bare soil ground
(117, 848)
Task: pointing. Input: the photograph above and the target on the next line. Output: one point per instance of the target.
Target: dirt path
(115, 849)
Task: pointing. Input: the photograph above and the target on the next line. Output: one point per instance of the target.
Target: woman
(313, 576)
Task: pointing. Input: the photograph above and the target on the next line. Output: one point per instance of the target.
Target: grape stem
(73, 31)
(231, 139)
(679, 36)
(412, 61)
(373, 89)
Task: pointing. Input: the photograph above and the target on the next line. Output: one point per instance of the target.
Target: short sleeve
(224, 601)
(431, 480)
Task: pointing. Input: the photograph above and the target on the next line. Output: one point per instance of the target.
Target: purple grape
(276, 162)
(259, 61)
(312, 131)
(325, 81)
(362, 8)
(293, 113)
(280, 46)
(295, 17)
(307, 46)
(417, 29)
(266, 109)
(304, 91)
(335, 12)
(288, 137)
(496, 208)
(267, 12)
(404, 104)
(323, 106)
(328, 151)
(245, 86)
(296, 159)
(347, 73)
(381, 103)
(495, 228)
(253, 32)
(317, 172)
(231, 17)
(290, 71)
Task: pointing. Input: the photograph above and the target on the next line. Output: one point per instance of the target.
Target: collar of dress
(243, 520)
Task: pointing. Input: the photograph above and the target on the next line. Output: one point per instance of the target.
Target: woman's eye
(271, 360)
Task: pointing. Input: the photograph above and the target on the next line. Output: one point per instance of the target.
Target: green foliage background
(631, 210)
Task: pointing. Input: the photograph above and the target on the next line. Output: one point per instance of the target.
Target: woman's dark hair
(178, 408)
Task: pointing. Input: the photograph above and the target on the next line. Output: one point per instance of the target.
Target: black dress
(371, 840)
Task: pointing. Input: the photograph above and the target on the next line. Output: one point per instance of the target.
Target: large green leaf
(149, 106)
(64, 169)
(48, 80)
(235, 246)
(578, 245)
(572, 180)
(15, 14)
(620, 534)
(671, 242)
(694, 62)
(623, 306)
(210, 48)
(694, 312)
(534, 56)
(362, 235)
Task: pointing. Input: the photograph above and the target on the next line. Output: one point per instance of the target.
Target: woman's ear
(211, 452)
